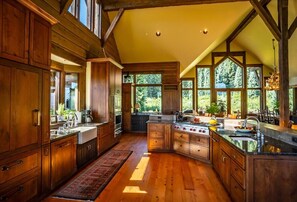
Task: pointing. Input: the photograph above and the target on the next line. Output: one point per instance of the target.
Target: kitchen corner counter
(253, 146)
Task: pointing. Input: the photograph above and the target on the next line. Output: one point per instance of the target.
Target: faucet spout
(258, 124)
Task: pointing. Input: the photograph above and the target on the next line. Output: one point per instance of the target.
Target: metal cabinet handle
(11, 193)
(64, 145)
(8, 167)
(36, 117)
(223, 159)
(214, 139)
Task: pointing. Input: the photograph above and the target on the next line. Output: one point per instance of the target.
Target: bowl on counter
(243, 129)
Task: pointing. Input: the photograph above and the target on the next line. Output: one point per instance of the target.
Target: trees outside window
(187, 92)
(254, 78)
(203, 88)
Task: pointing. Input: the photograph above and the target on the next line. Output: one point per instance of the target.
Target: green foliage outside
(228, 75)
(187, 100)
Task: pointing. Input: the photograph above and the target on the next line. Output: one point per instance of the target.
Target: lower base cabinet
(105, 137)
(86, 152)
(63, 160)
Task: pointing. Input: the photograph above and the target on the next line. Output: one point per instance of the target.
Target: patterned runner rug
(88, 184)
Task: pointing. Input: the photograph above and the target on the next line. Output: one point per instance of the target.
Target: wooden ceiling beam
(112, 5)
(64, 5)
(249, 18)
(292, 27)
(268, 20)
(112, 26)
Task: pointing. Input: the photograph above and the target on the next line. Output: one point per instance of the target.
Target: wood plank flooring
(159, 177)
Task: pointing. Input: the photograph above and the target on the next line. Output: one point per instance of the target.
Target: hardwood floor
(159, 177)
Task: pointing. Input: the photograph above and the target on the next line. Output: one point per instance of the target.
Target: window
(271, 99)
(291, 99)
(88, 12)
(254, 78)
(228, 74)
(187, 92)
(55, 91)
(203, 88)
(148, 92)
(71, 91)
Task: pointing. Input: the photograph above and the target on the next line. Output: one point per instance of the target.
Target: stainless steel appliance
(198, 128)
(87, 116)
(117, 115)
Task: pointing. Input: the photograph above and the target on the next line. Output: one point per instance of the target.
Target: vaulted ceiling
(182, 38)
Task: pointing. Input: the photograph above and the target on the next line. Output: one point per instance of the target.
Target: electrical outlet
(294, 139)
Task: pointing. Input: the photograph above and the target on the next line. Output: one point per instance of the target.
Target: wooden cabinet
(215, 150)
(199, 147)
(181, 142)
(159, 137)
(45, 108)
(46, 169)
(86, 152)
(63, 160)
(25, 37)
(105, 137)
(225, 165)
(14, 33)
(21, 109)
(170, 99)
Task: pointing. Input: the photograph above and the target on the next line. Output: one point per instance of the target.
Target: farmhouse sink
(243, 138)
(85, 133)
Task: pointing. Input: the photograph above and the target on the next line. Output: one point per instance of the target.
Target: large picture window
(203, 88)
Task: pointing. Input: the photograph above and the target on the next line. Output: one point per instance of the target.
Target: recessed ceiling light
(205, 31)
(158, 33)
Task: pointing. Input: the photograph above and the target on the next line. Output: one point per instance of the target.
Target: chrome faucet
(258, 124)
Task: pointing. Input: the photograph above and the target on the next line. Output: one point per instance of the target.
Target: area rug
(88, 184)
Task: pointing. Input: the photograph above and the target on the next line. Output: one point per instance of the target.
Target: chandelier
(272, 82)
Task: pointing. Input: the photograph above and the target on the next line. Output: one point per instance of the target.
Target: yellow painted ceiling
(182, 38)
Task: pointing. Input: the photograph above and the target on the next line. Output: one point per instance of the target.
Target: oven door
(118, 124)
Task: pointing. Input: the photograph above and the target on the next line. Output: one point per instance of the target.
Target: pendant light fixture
(273, 80)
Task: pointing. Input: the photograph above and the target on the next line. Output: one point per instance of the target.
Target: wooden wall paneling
(46, 169)
(14, 31)
(126, 106)
(82, 91)
(57, 50)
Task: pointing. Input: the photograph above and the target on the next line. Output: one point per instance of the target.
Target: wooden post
(283, 63)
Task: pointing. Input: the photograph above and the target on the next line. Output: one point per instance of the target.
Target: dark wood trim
(283, 63)
(292, 27)
(268, 20)
(244, 23)
(64, 5)
(112, 26)
(127, 4)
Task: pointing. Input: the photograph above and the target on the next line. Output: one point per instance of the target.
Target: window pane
(253, 77)
(235, 101)
(228, 75)
(203, 99)
(187, 100)
(203, 77)
(187, 84)
(84, 14)
(55, 91)
(222, 98)
(148, 79)
(97, 20)
(271, 99)
(72, 8)
(291, 99)
(149, 98)
(128, 78)
(253, 101)
(71, 91)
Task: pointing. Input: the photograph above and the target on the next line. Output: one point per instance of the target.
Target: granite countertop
(160, 121)
(257, 146)
(58, 136)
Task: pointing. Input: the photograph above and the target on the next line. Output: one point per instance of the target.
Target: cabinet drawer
(238, 174)
(181, 137)
(215, 136)
(156, 134)
(200, 140)
(156, 127)
(24, 190)
(199, 151)
(18, 165)
(237, 193)
(225, 147)
(181, 147)
(239, 158)
(156, 144)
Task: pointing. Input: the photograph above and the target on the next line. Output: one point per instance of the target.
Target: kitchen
(40, 37)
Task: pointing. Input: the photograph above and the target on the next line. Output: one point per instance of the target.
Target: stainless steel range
(199, 128)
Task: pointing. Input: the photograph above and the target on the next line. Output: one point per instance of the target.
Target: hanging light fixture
(273, 80)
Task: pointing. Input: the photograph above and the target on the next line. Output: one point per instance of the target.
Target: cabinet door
(26, 99)
(39, 41)
(5, 76)
(215, 153)
(63, 161)
(225, 166)
(118, 81)
(14, 31)
(112, 72)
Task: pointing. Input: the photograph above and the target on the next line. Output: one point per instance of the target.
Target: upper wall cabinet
(25, 37)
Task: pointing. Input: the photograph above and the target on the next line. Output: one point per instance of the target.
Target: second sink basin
(243, 138)
(85, 134)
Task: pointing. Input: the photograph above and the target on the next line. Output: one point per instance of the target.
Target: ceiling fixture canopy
(273, 80)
